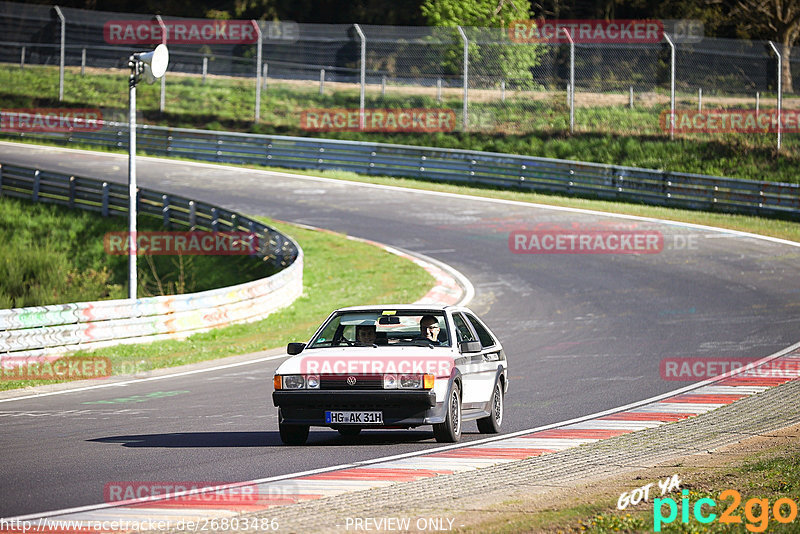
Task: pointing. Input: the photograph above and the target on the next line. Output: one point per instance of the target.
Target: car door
(491, 357)
(471, 365)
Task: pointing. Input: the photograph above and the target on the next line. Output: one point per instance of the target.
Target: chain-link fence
(481, 77)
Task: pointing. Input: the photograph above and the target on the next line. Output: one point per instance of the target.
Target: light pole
(152, 65)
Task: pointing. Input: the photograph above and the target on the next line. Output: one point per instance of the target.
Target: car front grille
(351, 382)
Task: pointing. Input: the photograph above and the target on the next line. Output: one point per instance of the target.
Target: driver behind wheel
(429, 328)
(366, 334)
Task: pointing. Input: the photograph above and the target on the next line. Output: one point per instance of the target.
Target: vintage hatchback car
(397, 366)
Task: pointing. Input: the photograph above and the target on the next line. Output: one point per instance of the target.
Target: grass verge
(527, 123)
(52, 254)
(338, 272)
(764, 468)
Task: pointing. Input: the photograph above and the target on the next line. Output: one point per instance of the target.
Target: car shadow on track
(263, 439)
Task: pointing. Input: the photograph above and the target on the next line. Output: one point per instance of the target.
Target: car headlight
(389, 381)
(312, 381)
(294, 382)
(410, 381)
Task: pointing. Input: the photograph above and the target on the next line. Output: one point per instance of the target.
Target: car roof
(436, 307)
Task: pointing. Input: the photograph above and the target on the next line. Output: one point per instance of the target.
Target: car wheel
(450, 430)
(349, 431)
(491, 424)
(293, 434)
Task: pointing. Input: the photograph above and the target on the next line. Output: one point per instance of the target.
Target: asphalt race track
(583, 332)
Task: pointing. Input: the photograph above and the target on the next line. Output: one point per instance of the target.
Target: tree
(777, 20)
(492, 51)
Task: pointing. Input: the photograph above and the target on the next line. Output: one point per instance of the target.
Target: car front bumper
(403, 408)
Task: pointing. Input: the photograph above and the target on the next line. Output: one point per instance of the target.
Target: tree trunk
(786, 67)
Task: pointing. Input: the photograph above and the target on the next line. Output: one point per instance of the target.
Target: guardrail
(49, 331)
(674, 189)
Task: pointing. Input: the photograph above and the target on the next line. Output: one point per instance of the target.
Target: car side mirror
(470, 346)
(295, 348)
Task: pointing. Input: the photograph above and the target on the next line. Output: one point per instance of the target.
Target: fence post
(258, 70)
(83, 61)
(571, 87)
(321, 81)
(503, 90)
(699, 99)
(22, 58)
(757, 102)
(363, 62)
(61, 60)
(671, 86)
(780, 91)
(465, 100)
(163, 98)
(71, 191)
(383, 85)
(265, 75)
(1, 179)
(439, 89)
(630, 98)
(205, 68)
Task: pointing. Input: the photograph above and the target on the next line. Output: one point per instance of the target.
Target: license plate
(354, 418)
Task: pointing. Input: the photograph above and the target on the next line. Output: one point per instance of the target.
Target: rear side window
(486, 338)
(463, 333)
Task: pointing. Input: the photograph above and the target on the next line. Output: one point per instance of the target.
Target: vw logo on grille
(351, 381)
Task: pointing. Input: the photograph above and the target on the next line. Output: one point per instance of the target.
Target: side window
(463, 333)
(486, 338)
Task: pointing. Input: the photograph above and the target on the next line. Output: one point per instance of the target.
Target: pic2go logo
(756, 511)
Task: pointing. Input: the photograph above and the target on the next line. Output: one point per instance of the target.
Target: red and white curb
(233, 499)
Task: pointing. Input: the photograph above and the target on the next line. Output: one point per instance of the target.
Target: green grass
(52, 255)
(522, 125)
(772, 474)
(338, 272)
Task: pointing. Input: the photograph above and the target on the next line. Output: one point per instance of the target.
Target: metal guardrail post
(465, 99)
(363, 61)
(780, 91)
(61, 60)
(258, 71)
(671, 86)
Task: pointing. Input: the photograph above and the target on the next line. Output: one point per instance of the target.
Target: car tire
(450, 430)
(349, 431)
(293, 434)
(491, 424)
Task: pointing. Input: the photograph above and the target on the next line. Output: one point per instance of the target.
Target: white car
(394, 366)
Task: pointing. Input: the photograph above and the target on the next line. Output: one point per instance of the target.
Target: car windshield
(384, 328)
